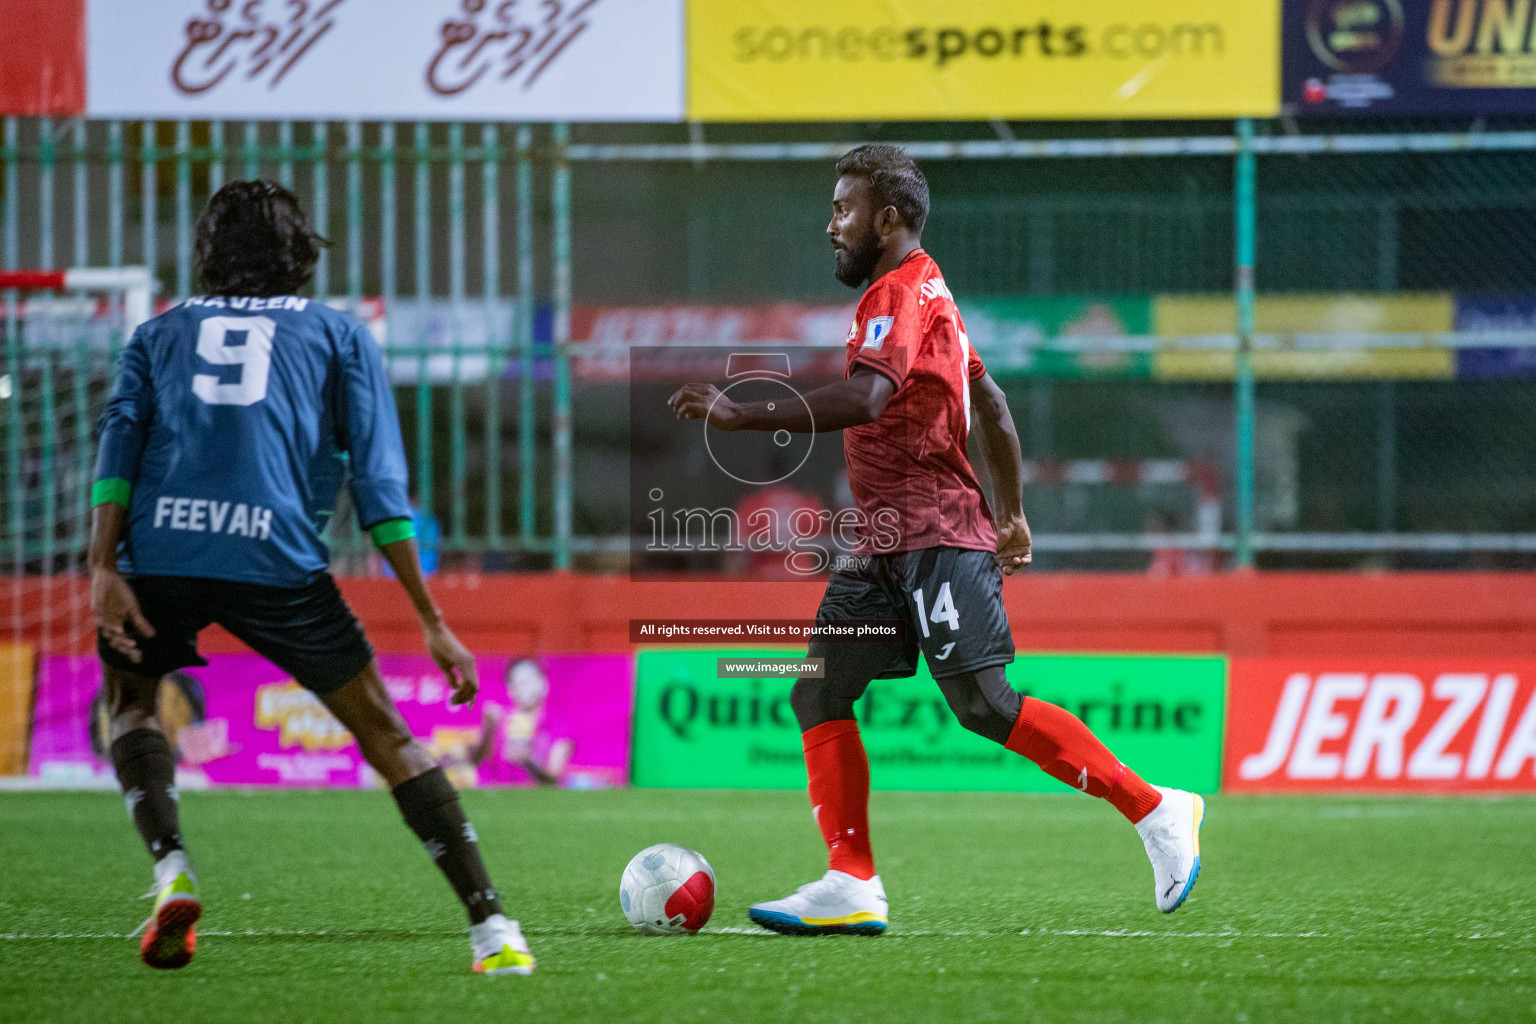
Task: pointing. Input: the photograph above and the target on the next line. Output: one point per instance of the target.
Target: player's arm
(377, 454)
(1005, 462)
(457, 663)
(848, 403)
(124, 425)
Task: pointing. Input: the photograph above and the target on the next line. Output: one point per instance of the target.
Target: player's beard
(856, 264)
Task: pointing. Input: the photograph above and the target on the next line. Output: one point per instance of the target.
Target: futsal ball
(667, 890)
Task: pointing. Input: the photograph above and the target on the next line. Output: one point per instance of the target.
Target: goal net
(63, 331)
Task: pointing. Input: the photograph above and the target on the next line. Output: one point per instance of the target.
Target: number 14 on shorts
(943, 610)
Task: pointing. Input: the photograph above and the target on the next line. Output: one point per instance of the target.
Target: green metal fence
(467, 246)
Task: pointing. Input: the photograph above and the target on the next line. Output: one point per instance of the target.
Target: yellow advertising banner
(1183, 316)
(903, 60)
(1298, 364)
(15, 707)
(1283, 316)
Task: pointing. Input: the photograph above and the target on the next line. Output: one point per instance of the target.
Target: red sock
(1060, 743)
(839, 773)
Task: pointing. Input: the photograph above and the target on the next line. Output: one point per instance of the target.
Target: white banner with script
(502, 60)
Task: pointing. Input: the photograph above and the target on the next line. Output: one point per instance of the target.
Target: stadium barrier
(1452, 614)
(664, 717)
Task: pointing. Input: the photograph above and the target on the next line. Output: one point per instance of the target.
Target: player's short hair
(894, 179)
(254, 239)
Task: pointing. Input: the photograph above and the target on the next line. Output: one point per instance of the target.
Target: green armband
(392, 530)
(114, 490)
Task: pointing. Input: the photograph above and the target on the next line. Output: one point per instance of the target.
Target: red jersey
(908, 470)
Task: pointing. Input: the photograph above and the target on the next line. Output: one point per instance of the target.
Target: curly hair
(894, 180)
(254, 239)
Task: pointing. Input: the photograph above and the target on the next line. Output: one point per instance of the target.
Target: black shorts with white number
(308, 631)
(951, 600)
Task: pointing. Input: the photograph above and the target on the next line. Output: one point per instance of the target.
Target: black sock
(146, 769)
(431, 807)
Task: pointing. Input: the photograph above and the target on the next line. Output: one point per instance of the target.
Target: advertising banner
(1401, 724)
(15, 706)
(1011, 334)
(1409, 57)
(1346, 313)
(1162, 715)
(595, 60)
(807, 60)
(1310, 337)
(1514, 315)
(555, 719)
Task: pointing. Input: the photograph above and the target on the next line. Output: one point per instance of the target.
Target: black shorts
(308, 632)
(951, 600)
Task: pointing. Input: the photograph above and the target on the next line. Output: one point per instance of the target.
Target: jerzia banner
(1401, 724)
(1408, 57)
(1162, 715)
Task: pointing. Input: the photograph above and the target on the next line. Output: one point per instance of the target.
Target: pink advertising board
(552, 719)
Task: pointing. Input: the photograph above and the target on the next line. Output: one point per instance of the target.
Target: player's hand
(704, 401)
(455, 661)
(1013, 545)
(113, 605)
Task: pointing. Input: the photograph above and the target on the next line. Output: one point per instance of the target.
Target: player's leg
(1168, 820)
(967, 642)
(836, 766)
(849, 898)
(142, 758)
(427, 800)
(1050, 736)
(146, 765)
(311, 633)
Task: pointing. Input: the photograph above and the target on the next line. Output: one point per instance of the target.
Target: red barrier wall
(1274, 614)
(1253, 614)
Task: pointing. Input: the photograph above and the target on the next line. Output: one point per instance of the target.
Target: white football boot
(1171, 834)
(499, 947)
(834, 904)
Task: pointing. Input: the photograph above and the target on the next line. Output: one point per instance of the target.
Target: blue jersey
(234, 425)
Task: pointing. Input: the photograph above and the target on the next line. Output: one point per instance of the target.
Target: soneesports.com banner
(1162, 715)
(808, 60)
(1409, 57)
(1424, 725)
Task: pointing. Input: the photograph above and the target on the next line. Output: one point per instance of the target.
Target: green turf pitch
(320, 907)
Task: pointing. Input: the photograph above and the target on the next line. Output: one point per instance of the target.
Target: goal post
(135, 284)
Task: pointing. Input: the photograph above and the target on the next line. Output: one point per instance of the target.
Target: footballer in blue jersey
(237, 418)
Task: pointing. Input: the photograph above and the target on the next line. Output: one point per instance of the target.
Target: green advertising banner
(1162, 715)
(1035, 335)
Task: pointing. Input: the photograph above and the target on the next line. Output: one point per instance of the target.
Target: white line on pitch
(1070, 933)
(760, 932)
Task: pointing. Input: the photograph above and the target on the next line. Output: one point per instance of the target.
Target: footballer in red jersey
(933, 553)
